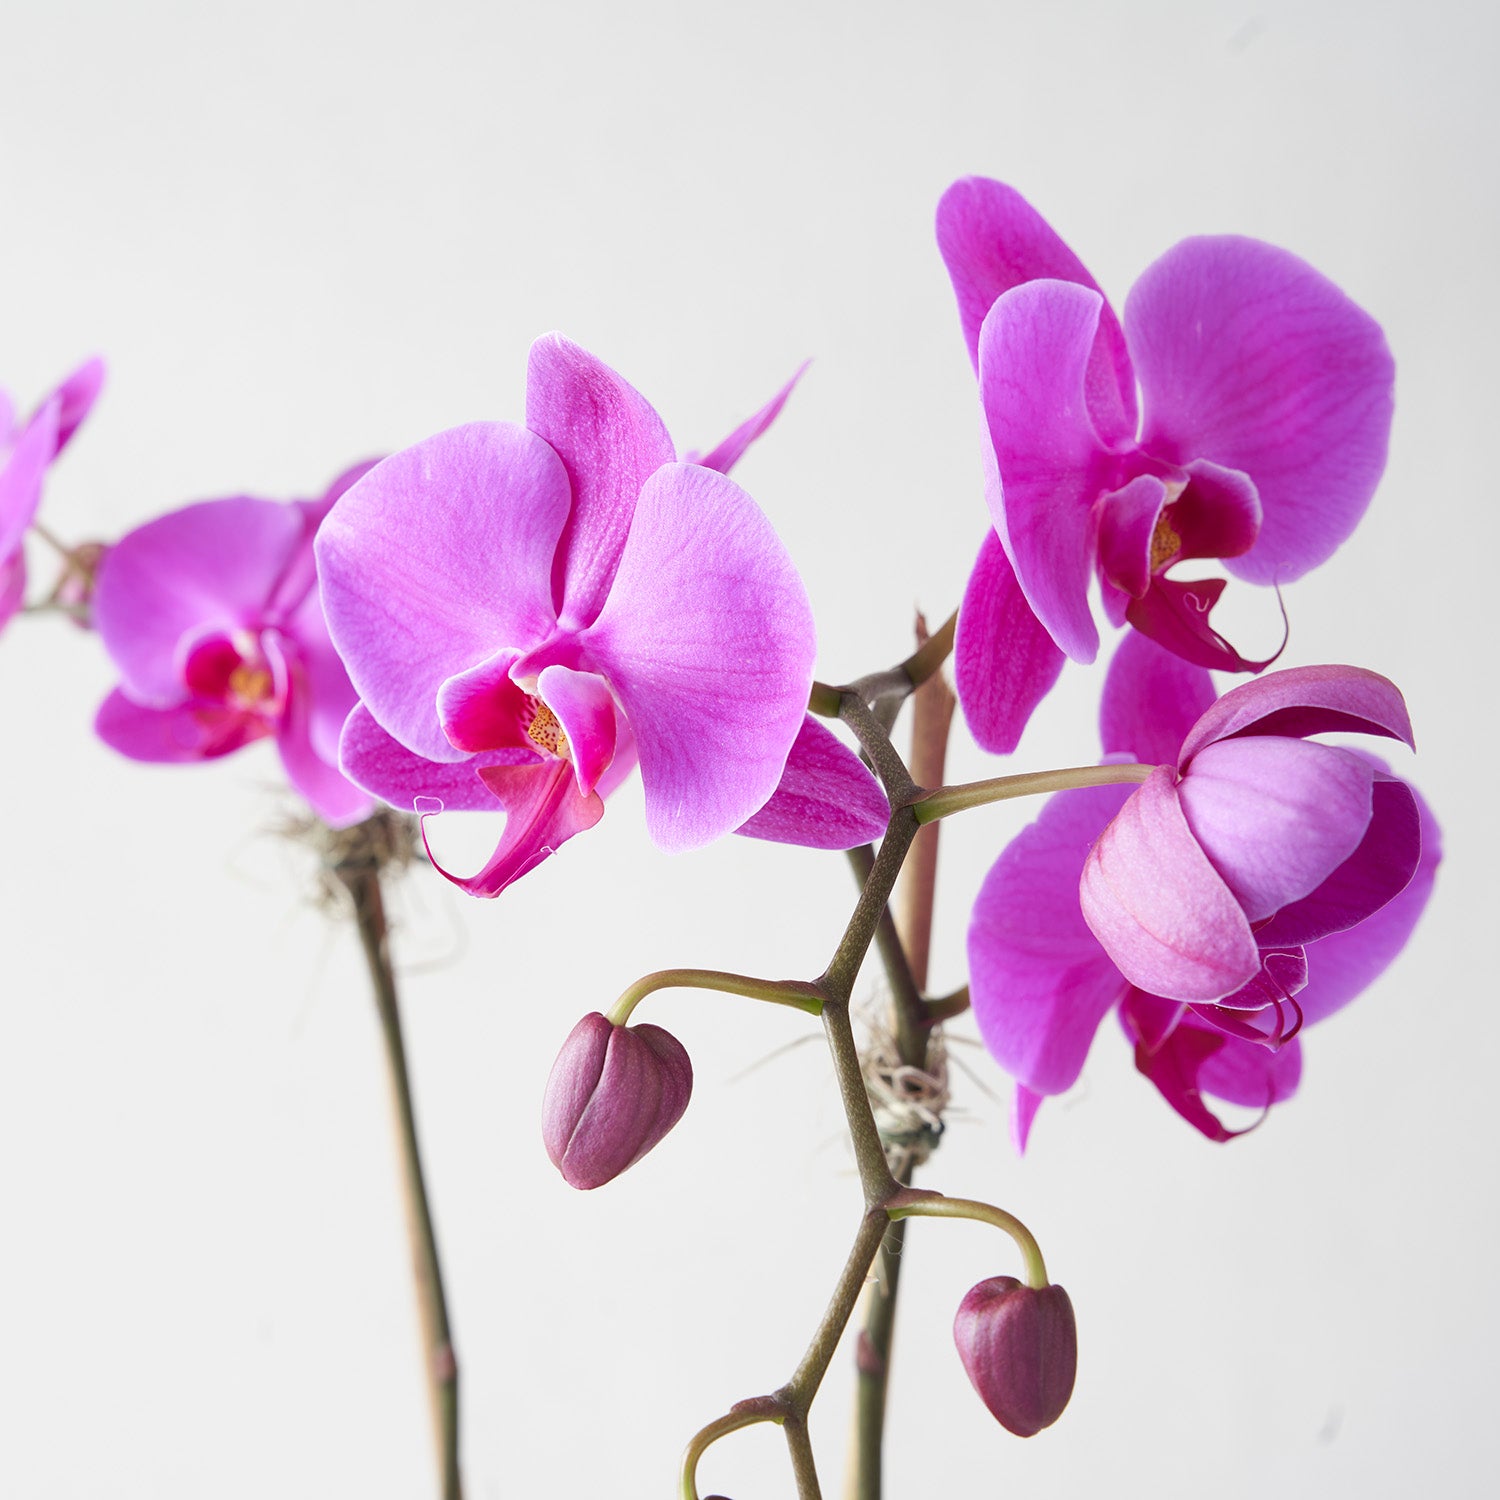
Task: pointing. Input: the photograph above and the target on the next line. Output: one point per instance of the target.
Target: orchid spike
(1266, 400)
(527, 612)
(211, 613)
(1253, 885)
(27, 449)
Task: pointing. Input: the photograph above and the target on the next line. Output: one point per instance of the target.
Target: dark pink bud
(615, 1091)
(1020, 1349)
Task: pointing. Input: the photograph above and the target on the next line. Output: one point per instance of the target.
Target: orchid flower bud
(614, 1092)
(1019, 1346)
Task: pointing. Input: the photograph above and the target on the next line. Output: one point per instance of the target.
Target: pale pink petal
(12, 584)
(1251, 359)
(1276, 817)
(991, 240)
(1303, 701)
(1039, 982)
(1023, 1107)
(826, 799)
(1004, 662)
(441, 555)
(732, 449)
(585, 708)
(1157, 905)
(1048, 461)
(1151, 699)
(335, 799)
(610, 441)
(76, 397)
(707, 640)
(207, 567)
(330, 694)
(21, 472)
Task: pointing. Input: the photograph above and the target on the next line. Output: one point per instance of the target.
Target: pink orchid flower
(212, 615)
(526, 612)
(1266, 399)
(26, 451)
(1255, 884)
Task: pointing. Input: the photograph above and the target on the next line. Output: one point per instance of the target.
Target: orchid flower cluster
(512, 617)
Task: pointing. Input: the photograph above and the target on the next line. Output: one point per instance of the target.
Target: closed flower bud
(614, 1092)
(1019, 1346)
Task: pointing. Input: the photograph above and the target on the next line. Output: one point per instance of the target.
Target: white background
(306, 233)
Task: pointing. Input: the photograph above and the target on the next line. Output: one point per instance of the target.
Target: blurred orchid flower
(526, 612)
(26, 450)
(1266, 398)
(1254, 884)
(212, 615)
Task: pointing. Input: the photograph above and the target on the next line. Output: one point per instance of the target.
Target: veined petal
(610, 441)
(543, 810)
(21, 474)
(1218, 514)
(1175, 615)
(1038, 980)
(1005, 663)
(1302, 701)
(441, 555)
(1377, 872)
(991, 240)
(330, 696)
(370, 758)
(1276, 817)
(1033, 354)
(585, 708)
(1160, 909)
(732, 449)
(207, 567)
(482, 708)
(707, 641)
(1342, 965)
(1252, 359)
(826, 798)
(1151, 699)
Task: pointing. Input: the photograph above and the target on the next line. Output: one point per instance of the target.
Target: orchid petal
(707, 640)
(610, 441)
(1039, 983)
(543, 810)
(1218, 514)
(441, 554)
(21, 475)
(174, 735)
(76, 397)
(585, 708)
(1033, 354)
(335, 799)
(483, 708)
(1276, 817)
(1163, 914)
(826, 798)
(732, 449)
(329, 693)
(1024, 1104)
(203, 568)
(1151, 699)
(371, 758)
(1250, 358)
(1302, 701)
(1376, 873)
(1005, 663)
(1126, 521)
(1175, 615)
(992, 240)
(1342, 965)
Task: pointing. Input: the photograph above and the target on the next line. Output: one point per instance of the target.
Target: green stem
(952, 799)
(746, 1414)
(362, 880)
(919, 1205)
(794, 992)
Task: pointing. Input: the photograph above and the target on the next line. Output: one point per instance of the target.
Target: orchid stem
(794, 992)
(361, 878)
(746, 1414)
(915, 1205)
(951, 799)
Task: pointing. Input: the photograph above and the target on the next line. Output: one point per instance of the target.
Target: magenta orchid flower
(527, 612)
(26, 451)
(1265, 410)
(212, 615)
(1254, 884)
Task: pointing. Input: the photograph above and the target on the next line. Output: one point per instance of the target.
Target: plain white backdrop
(302, 234)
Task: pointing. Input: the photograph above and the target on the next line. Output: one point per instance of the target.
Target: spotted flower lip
(27, 449)
(211, 613)
(529, 611)
(1254, 884)
(1260, 435)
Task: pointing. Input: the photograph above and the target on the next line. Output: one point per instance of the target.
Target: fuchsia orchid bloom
(26, 451)
(212, 615)
(1254, 884)
(528, 611)
(1266, 400)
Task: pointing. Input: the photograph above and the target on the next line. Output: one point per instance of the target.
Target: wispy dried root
(908, 1102)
